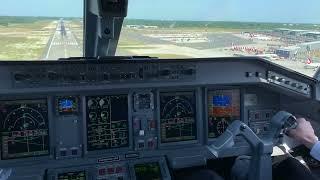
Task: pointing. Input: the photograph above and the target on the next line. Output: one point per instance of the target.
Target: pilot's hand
(304, 133)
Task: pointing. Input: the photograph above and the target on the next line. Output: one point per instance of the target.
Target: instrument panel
(177, 117)
(153, 117)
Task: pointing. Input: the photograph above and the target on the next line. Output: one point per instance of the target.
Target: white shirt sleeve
(315, 151)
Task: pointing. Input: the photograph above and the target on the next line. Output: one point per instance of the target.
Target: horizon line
(173, 20)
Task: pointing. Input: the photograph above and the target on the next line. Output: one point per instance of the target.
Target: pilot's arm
(304, 133)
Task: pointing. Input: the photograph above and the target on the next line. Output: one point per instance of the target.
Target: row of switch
(261, 115)
(252, 74)
(94, 76)
(144, 128)
(151, 143)
(293, 84)
(139, 126)
(289, 83)
(259, 120)
(102, 171)
(167, 72)
(64, 152)
(260, 128)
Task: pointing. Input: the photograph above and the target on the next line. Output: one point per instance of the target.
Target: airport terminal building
(287, 52)
(299, 51)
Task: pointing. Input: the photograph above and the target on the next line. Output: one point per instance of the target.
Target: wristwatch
(290, 123)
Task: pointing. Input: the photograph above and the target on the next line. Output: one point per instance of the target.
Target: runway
(63, 43)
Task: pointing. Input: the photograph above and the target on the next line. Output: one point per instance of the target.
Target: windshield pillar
(102, 27)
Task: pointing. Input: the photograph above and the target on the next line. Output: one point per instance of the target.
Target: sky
(284, 11)
(55, 8)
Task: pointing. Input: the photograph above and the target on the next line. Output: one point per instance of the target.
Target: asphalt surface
(218, 40)
(215, 40)
(63, 44)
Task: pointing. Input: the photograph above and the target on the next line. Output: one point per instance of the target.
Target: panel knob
(165, 72)
(19, 77)
(294, 84)
(281, 79)
(189, 71)
(53, 76)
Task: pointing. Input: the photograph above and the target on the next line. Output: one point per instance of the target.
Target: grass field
(13, 48)
(24, 38)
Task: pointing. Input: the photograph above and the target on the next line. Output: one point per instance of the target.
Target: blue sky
(293, 11)
(59, 8)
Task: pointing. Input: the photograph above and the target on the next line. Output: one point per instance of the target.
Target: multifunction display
(107, 122)
(177, 116)
(79, 175)
(148, 171)
(223, 108)
(24, 128)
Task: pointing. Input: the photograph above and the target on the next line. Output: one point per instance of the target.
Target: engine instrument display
(107, 122)
(148, 171)
(177, 116)
(67, 105)
(223, 108)
(24, 128)
(79, 175)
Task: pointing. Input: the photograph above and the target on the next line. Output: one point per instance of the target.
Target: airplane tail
(309, 60)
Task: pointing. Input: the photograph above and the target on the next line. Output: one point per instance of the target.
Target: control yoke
(261, 150)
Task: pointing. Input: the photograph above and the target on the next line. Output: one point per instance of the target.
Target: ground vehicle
(120, 117)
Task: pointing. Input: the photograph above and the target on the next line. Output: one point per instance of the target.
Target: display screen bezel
(129, 144)
(206, 105)
(74, 111)
(199, 123)
(148, 163)
(31, 157)
(85, 174)
(193, 106)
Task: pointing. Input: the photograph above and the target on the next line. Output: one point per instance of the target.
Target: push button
(119, 170)
(63, 153)
(102, 172)
(110, 170)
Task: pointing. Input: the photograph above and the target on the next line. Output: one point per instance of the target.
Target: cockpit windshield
(285, 32)
(40, 30)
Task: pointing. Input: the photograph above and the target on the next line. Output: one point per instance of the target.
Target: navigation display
(79, 175)
(24, 128)
(177, 116)
(67, 105)
(107, 122)
(223, 108)
(148, 171)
